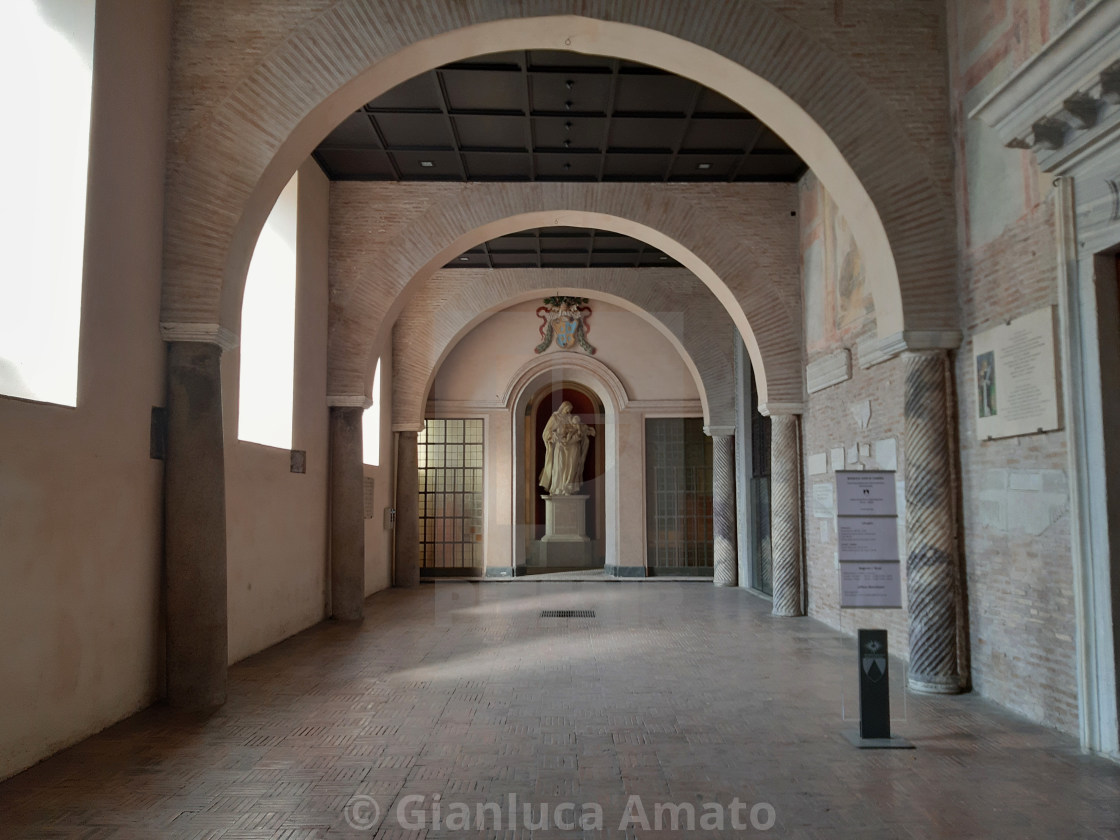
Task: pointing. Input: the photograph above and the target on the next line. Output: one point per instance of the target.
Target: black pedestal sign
(874, 686)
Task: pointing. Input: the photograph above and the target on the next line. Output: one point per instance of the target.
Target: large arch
(446, 308)
(228, 162)
(370, 275)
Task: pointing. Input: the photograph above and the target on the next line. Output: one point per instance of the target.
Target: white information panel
(865, 493)
(867, 538)
(871, 585)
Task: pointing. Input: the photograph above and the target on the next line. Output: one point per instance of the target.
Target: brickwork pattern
(243, 116)
(387, 238)
(674, 692)
(448, 304)
(830, 424)
(1019, 584)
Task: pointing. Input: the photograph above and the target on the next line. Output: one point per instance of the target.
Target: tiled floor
(677, 694)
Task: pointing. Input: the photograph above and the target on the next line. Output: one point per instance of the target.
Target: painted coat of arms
(565, 319)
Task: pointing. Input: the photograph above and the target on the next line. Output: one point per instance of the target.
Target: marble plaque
(824, 500)
(818, 463)
(1015, 382)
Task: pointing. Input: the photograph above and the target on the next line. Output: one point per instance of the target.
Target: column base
(935, 685)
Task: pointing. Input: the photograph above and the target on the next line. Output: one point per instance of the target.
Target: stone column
(195, 527)
(406, 560)
(726, 572)
(933, 588)
(348, 527)
(785, 514)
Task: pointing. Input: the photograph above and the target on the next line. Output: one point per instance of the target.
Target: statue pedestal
(565, 519)
(565, 542)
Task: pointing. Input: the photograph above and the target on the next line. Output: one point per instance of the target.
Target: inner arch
(591, 36)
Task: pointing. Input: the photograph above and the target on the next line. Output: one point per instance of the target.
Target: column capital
(776, 409)
(913, 341)
(719, 431)
(349, 401)
(223, 337)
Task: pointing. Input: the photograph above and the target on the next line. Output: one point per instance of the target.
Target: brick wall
(1015, 514)
(838, 311)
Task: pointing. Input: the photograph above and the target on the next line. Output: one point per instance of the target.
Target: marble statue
(566, 441)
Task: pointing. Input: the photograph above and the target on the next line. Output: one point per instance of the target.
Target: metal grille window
(450, 460)
(678, 494)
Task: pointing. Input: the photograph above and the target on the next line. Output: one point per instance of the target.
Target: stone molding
(224, 337)
(773, 409)
(719, 431)
(828, 370)
(1066, 99)
(349, 401)
(647, 408)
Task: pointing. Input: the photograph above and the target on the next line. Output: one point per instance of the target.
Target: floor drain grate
(567, 613)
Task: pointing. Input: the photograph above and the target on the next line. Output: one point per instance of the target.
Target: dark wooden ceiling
(562, 247)
(554, 116)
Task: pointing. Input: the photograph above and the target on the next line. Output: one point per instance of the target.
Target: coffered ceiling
(554, 116)
(543, 115)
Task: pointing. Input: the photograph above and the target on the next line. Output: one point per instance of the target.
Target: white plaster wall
(80, 498)
(480, 367)
(276, 520)
(476, 373)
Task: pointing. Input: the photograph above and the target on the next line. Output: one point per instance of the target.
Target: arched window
(46, 76)
(268, 326)
(371, 423)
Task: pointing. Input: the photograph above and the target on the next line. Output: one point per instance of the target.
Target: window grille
(450, 461)
(678, 494)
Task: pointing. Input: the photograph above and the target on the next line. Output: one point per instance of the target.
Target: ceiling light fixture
(426, 164)
(464, 259)
(703, 166)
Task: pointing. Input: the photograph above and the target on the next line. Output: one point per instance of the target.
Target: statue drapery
(566, 441)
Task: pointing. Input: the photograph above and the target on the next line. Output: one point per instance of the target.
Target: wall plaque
(867, 540)
(865, 493)
(1016, 391)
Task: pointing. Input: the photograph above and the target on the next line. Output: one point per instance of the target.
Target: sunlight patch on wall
(371, 423)
(46, 76)
(268, 325)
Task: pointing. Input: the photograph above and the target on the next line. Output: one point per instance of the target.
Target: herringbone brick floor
(677, 699)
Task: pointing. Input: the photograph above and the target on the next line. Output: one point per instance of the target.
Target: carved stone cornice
(1064, 103)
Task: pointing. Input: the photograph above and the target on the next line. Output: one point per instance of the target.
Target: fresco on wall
(853, 302)
(838, 303)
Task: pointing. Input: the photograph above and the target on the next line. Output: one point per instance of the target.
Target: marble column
(932, 575)
(726, 572)
(348, 527)
(195, 527)
(406, 559)
(785, 515)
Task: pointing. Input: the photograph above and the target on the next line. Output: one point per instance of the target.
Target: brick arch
(453, 302)
(372, 294)
(231, 154)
